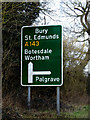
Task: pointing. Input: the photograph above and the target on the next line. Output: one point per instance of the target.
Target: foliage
(14, 16)
(74, 63)
(79, 12)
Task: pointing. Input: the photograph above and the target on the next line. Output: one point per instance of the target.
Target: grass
(79, 112)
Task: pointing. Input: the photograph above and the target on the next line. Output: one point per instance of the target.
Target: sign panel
(41, 56)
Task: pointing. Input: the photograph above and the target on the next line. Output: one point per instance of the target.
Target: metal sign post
(42, 58)
(58, 100)
(29, 97)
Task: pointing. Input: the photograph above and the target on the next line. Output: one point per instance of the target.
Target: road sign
(41, 56)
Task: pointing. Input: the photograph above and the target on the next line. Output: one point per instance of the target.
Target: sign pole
(42, 58)
(29, 97)
(58, 100)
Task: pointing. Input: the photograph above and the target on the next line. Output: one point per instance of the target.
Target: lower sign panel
(41, 56)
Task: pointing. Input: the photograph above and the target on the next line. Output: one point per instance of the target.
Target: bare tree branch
(87, 23)
(78, 9)
(81, 19)
(83, 40)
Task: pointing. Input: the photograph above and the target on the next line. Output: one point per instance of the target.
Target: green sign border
(61, 54)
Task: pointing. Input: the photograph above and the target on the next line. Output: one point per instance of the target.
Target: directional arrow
(31, 72)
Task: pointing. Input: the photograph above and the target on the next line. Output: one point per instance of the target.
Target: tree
(14, 16)
(74, 63)
(79, 11)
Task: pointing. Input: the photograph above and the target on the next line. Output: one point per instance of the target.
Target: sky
(53, 18)
(56, 17)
